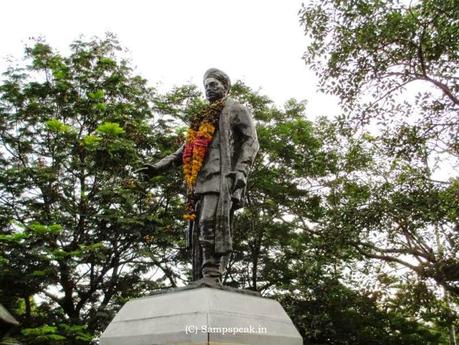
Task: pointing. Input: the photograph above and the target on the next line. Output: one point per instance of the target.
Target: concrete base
(201, 316)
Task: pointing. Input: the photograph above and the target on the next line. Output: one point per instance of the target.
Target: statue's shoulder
(234, 105)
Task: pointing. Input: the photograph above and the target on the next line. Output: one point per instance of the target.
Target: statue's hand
(238, 180)
(237, 199)
(147, 171)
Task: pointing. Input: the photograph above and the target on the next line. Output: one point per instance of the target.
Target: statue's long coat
(232, 149)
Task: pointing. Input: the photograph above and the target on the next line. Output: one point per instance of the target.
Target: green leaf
(45, 229)
(16, 237)
(55, 125)
(97, 95)
(110, 128)
(91, 141)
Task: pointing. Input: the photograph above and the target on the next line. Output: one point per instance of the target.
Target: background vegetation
(351, 223)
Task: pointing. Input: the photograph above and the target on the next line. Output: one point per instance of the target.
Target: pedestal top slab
(201, 316)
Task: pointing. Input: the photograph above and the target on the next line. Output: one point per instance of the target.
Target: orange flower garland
(199, 136)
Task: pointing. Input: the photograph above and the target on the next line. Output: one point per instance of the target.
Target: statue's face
(215, 89)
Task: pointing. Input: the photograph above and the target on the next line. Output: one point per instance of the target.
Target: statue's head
(216, 83)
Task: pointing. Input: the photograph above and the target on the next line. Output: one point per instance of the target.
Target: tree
(284, 246)
(275, 190)
(76, 228)
(82, 234)
(330, 313)
(367, 52)
(394, 67)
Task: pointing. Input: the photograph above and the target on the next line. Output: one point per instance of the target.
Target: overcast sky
(174, 41)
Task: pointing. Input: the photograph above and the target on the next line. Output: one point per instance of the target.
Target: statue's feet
(212, 282)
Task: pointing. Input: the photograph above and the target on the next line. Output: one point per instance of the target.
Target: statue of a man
(220, 147)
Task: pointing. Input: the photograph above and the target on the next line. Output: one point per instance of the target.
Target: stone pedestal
(201, 316)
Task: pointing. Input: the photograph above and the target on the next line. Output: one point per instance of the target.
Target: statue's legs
(210, 260)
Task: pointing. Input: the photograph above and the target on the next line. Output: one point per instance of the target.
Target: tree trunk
(452, 335)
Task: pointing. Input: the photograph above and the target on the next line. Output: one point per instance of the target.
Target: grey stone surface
(209, 283)
(201, 316)
(6, 317)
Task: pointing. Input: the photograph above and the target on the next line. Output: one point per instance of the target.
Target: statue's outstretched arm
(172, 160)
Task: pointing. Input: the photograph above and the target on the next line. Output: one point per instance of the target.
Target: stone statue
(220, 147)
(7, 322)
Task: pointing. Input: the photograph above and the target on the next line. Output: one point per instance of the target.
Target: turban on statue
(219, 75)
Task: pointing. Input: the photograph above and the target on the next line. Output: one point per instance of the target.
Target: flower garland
(199, 136)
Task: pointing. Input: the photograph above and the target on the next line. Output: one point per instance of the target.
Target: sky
(172, 42)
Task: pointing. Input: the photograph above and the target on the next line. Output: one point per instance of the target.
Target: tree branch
(388, 258)
(446, 90)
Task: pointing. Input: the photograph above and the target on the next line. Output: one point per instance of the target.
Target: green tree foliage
(366, 52)
(265, 236)
(394, 65)
(76, 228)
(284, 243)
(80, 234)
(329, 313)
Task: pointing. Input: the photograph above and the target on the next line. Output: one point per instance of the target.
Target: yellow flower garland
(199, 136)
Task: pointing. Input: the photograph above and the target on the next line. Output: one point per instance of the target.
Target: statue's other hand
(239, 180)
(237, 199)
